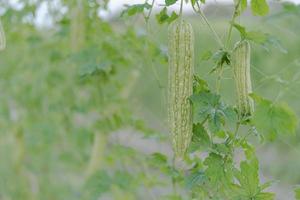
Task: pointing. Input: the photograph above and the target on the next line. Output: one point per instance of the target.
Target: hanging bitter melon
(241, 68)
(180, 84)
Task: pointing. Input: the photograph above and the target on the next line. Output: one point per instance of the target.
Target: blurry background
(83, 97)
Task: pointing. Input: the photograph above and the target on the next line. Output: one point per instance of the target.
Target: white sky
(114, 7)
(117, 5)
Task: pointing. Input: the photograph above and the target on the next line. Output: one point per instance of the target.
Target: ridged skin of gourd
(242, 76)
(180, 84)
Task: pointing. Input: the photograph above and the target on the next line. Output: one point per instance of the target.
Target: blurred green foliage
(54, 99)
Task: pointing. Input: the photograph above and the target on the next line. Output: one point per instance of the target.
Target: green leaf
(249, 150)
(230, 114)
(204, 104)
(208, 106)
(265, 196)
(249, 179)
(135, 9)
(124, 180)
(159, 159)
(263, 39)
(273, 41)
(200, 139)
(196, 179)
(171, 197)
(220, 58)
(170, 2)
(249, 185)
(214, 169)
(97, 185)
(273, 119)
(163, 16)
(199, 85)
(266, 185)
(241, 29)
(206, 55)
(218, 170)
(242, 6)
(172, 17)
(194, 2)
(222, 148)
(297, 193)
(259, 7)
(257, 37)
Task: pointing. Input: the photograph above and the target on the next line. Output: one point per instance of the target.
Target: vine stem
(147, 18)
(181, 7)
(199, 11)
(226, 46)
(232, 21)
(216, 36)
(150, 11)
(204, 121)
(218, 82)
(237, 127)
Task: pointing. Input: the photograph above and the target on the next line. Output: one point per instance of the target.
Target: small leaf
(204, 103)
(206, 55)
(199, 85)
(171, 197)
(259, 7)
(172, 17)
(274, 119)
(163, 16)
(257, 37)
(241, 29)
(135, 9)
(220, 58)
(200, 139)
(263, 39)
(159, 159)
(195, 179)
(265, 196)
(170, 2)
(208, 106)
(218, 171)
(242, 5)
(297, 193)
(97, 185)
(123, 180)
(222, 149)
(273, 41)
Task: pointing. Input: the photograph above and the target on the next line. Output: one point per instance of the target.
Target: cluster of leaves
(211, 170)
(219, 176)
(49, 113)
(54, 100)
(258, 7)
(216, 127)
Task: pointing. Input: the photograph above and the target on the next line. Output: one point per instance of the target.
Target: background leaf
(259, 7)
(273, 119)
